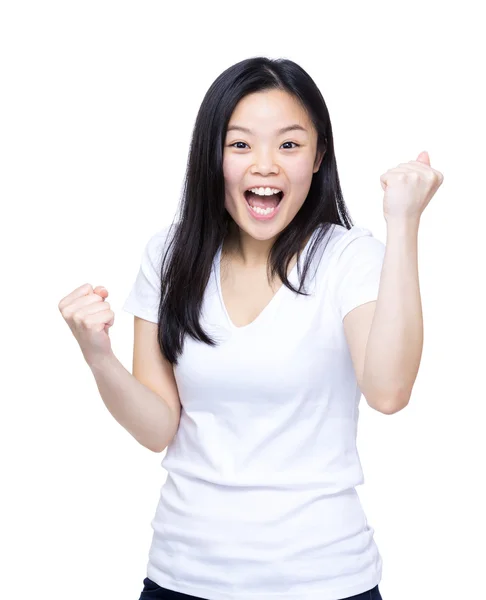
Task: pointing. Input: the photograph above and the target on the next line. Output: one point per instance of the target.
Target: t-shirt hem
(368, 583)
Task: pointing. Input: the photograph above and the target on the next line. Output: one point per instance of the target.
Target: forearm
(395, 341)
(138, 409)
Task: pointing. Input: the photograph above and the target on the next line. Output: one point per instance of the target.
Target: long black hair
(203, 221)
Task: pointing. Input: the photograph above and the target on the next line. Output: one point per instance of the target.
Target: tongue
(262, 201)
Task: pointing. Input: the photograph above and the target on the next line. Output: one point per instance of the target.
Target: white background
(98, 104)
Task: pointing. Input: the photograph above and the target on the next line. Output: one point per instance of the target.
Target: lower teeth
(262, 211)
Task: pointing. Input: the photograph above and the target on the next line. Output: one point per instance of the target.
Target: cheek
(232, 182)
(233, 172)
(300, 171)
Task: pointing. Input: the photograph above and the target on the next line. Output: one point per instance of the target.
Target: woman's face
(262, 156)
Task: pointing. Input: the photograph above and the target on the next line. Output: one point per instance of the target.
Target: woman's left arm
(395, 342)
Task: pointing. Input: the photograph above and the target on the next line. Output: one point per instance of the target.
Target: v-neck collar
(275, 298)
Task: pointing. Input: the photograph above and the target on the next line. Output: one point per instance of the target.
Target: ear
(317, 163)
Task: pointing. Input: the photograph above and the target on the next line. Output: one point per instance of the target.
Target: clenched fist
(89, 317)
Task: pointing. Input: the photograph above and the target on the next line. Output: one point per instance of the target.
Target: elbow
(156, 450)
(388, 404)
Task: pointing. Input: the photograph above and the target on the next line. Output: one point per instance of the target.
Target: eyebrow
(293, 127)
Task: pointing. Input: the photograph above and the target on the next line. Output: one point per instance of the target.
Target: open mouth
(263, 201)
(263, 206)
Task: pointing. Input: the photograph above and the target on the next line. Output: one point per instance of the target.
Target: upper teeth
(264, 191)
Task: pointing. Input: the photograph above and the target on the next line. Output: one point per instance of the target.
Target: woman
(261, 299)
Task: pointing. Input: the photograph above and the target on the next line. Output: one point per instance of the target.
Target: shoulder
(353, 248)
(162, 235)
(345, 239)
(158, 243)
(338, 241)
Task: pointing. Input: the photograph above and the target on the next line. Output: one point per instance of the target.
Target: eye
(295, 145)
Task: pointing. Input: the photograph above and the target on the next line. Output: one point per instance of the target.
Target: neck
(246, 250)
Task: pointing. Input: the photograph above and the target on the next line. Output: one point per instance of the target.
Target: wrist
(101, 362)
(403, 223)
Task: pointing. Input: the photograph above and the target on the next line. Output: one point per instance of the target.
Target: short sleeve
(144, 297)
(357, 269)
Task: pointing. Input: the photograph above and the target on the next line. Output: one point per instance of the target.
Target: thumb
(101, 291)
(424, 157)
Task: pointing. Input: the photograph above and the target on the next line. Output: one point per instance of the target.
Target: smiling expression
(270, 142)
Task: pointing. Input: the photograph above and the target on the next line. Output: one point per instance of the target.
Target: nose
(264, 164)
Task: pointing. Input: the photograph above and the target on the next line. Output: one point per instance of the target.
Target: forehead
(268, 111)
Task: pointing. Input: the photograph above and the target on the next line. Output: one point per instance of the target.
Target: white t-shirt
(260, 498)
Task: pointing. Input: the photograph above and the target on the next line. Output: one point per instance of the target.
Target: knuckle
(77, 317)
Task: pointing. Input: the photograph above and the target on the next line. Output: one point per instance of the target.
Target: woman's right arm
(140, 410)
(146, 403)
